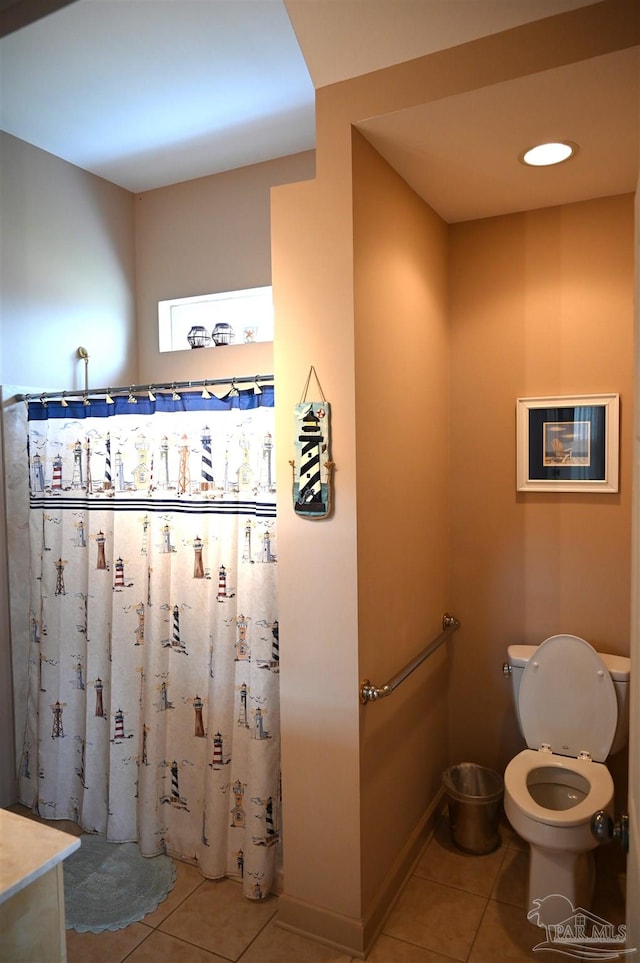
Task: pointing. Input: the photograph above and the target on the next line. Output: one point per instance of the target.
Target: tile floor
(454, 907)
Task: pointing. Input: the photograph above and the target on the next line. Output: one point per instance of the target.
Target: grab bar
(370, 692)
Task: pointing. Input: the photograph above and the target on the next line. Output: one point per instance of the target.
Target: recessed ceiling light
(544, 155)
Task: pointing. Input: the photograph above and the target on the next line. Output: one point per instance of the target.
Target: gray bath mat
(109, 885)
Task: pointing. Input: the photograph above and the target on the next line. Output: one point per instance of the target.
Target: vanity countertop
(28, 849)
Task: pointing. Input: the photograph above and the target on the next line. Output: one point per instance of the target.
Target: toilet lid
(567, 700)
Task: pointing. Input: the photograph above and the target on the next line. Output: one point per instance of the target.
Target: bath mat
(109, 885)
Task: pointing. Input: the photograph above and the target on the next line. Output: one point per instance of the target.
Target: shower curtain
(153, 709)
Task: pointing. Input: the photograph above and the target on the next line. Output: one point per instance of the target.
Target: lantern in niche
(198, 337)
(222, 333)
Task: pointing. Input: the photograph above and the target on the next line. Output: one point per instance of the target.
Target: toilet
(573, 711)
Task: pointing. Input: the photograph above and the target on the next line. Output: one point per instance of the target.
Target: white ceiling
(146, 92)
(152, 92)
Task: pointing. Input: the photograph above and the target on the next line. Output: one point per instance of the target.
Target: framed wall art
(567, 443)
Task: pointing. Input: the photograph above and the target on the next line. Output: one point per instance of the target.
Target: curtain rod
(131, 389)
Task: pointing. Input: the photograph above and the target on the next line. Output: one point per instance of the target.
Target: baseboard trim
(342, 933)
(401, 871)
(352, 936)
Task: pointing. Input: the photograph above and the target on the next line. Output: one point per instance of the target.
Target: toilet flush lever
(605, 829)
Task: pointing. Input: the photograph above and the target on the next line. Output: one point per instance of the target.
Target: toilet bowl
(572, 708)
(550, 805)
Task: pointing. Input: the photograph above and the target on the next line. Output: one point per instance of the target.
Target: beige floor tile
(188, 878)
(436, 917)
(218, 918)
(442, 915)
(390, 950)
(106, 947)
(443, 863)
(505, 934)
(510, 837)
(277, 945)
(513, 876)
(162, 948)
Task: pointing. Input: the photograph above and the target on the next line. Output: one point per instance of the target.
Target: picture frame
(567, 443)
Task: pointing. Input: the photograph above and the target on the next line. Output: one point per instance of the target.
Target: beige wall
(317, 571)
(85, 262)
(318, 276)
(67, 273)
(541, 304)
(363, 590)
(402, 464)
(200, 237)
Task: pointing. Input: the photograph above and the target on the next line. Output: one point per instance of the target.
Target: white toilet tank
(619, 668)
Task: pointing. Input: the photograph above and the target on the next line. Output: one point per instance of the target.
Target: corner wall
(363, 591)
(323, 564)
(402, 460)
(67, 273)
(317, 572)
(203, 236)
(541, 305)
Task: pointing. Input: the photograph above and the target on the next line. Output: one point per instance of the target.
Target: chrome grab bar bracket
(371, 693)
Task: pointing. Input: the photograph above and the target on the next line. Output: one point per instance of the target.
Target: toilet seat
(567, 701)
(597, 775)
(568, 712)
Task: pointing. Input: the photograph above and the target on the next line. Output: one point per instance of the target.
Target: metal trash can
(474, 797)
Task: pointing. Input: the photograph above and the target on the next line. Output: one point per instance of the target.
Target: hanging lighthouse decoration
(312, 466)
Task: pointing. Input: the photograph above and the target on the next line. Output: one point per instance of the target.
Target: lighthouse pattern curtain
(154, 653)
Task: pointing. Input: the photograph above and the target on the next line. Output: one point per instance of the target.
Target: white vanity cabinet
(32, 926)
